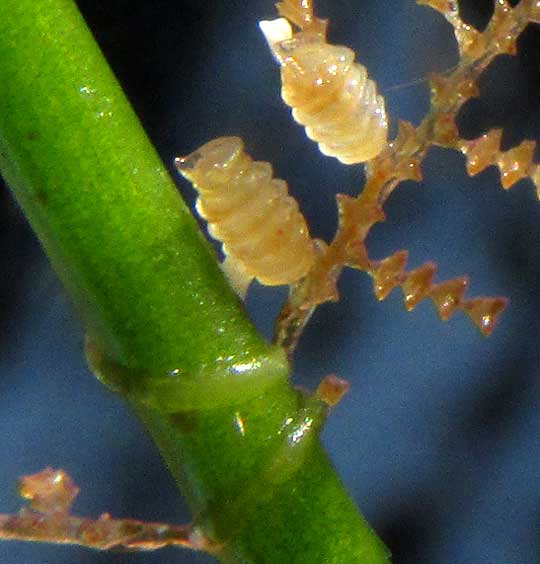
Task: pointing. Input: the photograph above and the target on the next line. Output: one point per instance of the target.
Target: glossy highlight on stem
(175, 390)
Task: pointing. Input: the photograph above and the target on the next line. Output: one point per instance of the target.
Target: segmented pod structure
(264, 235)
(328, 92)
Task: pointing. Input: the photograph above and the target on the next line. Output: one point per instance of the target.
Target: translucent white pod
(263, 233)
(329, 93)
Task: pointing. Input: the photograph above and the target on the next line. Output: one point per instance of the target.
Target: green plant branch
(164, 329)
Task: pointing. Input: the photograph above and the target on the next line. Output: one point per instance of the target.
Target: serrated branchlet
(51, 494)
(402, 161)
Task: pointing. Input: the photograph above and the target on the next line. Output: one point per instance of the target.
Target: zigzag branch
(447, 296)
(514, 164)
(402, 161)
(501, 33)
(356, 218)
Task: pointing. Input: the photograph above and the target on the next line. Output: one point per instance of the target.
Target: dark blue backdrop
(439, 437)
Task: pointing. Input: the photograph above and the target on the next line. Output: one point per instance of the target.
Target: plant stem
(164, 328)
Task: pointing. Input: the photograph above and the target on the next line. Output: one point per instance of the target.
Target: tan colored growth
(328, 92)
(514, 164)
(402, 161)
(357, 216)
(251, 213)
(447, 296)
(48, 518)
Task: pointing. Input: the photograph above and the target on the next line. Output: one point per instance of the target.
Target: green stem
(164, 328)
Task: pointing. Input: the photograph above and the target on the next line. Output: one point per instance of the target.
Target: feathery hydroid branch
(48, 519)
(401, 161)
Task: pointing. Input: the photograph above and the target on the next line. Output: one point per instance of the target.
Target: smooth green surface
(273, 497)
(99, 198)
(164, 328)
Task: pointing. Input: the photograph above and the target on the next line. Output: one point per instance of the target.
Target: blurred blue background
(439, 438)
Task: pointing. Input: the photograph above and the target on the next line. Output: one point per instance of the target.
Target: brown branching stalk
(514, 164)
(51, 494)
(402, 161)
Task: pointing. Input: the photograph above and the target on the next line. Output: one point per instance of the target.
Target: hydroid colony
(331, 95)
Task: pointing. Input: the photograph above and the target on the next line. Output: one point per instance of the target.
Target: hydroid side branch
(164, 328)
